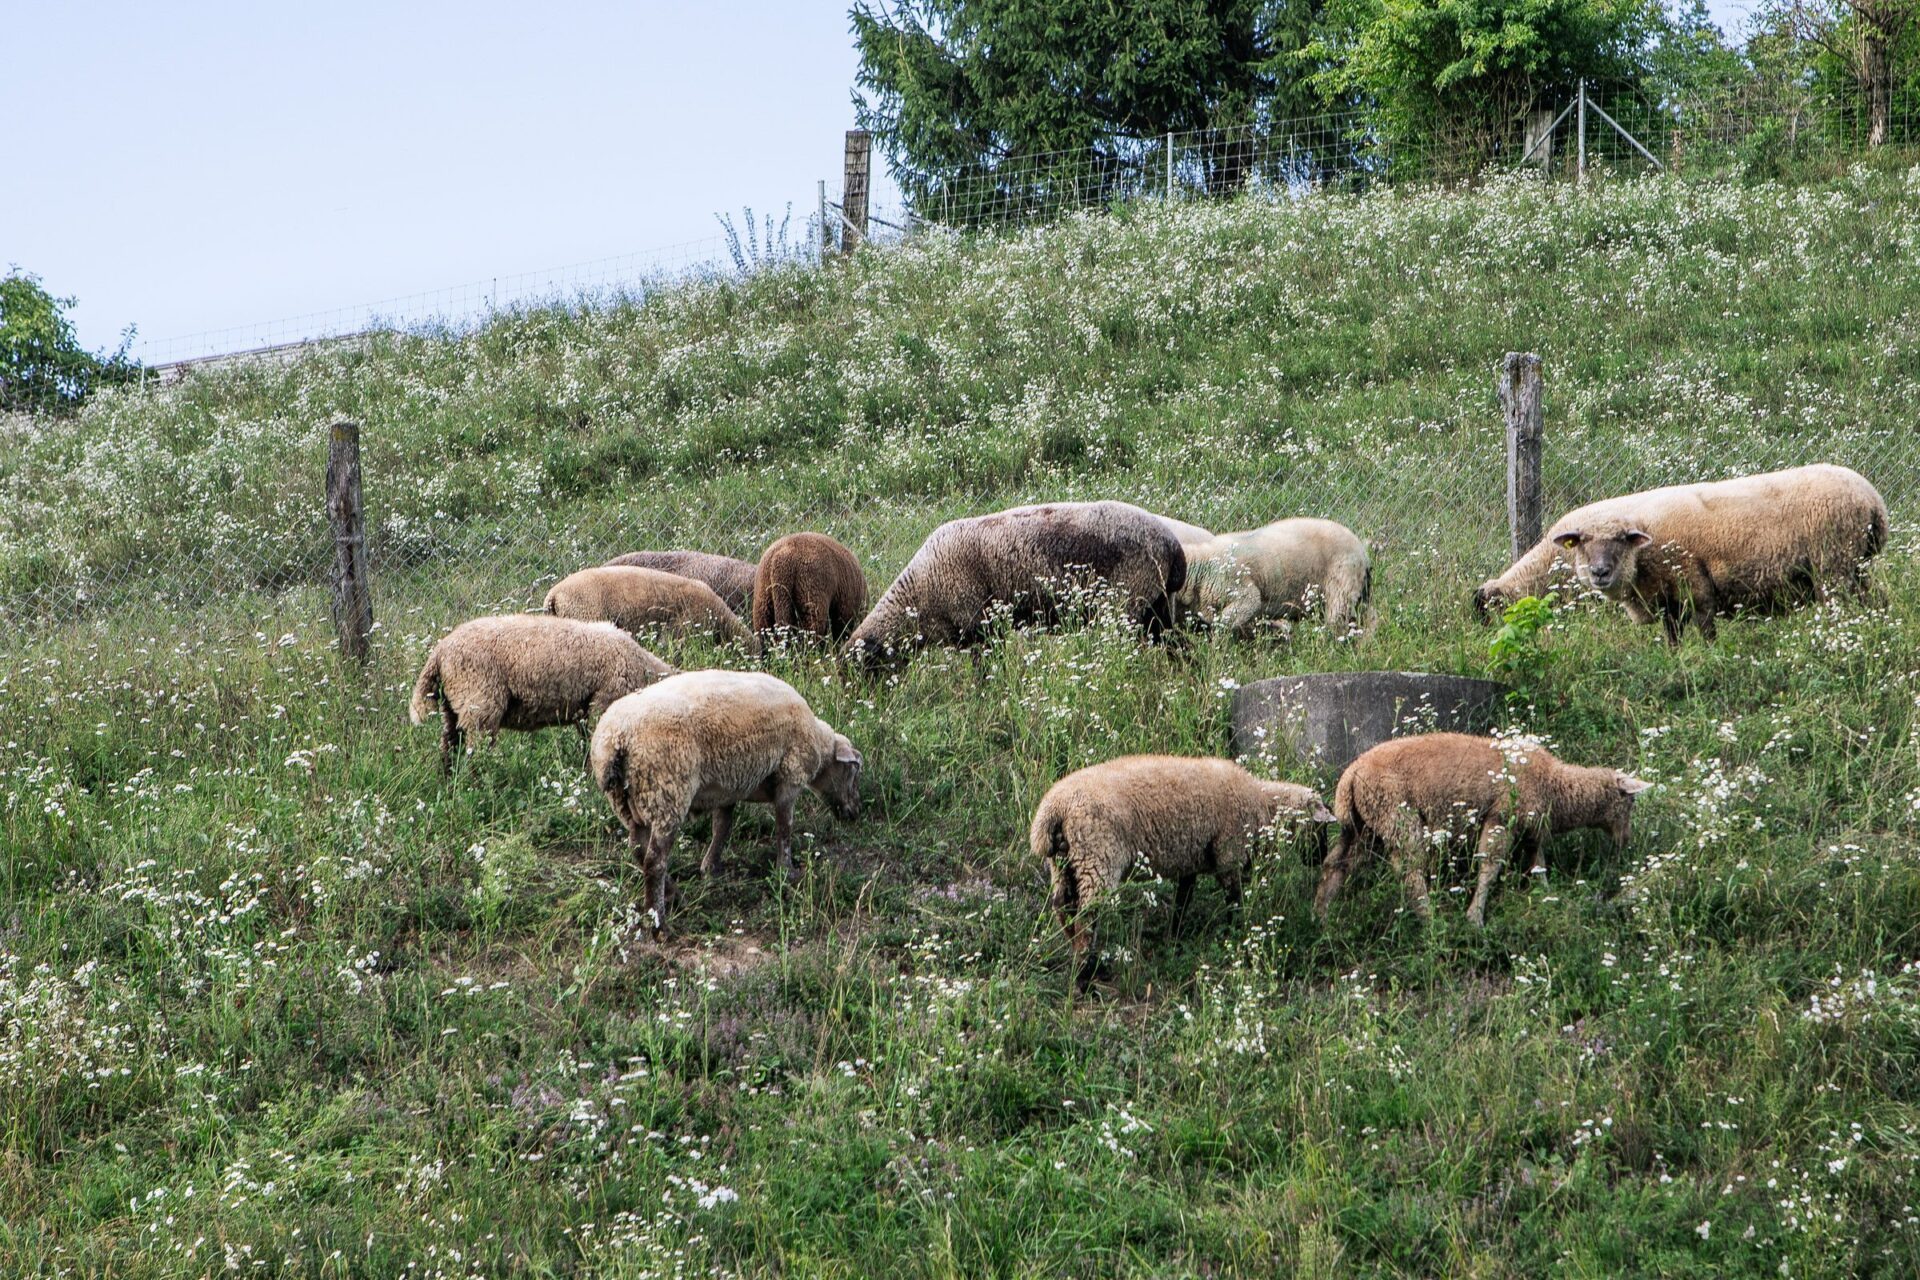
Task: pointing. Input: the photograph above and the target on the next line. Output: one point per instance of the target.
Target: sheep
(1505, 797)
(635, 599)
(731, 579)
(808, 582)
(1186, 816)
(1020, 561)
(525, 672)
(1274, 572)
(704, 742)
(1764, 544)
(1190, 535)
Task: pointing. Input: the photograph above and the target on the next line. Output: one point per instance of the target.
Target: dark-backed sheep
(1023, 561)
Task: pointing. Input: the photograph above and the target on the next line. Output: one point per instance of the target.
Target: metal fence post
(1169, 166)
(352, 590)
(826, 231)
(1520, 387)
(1580, 173)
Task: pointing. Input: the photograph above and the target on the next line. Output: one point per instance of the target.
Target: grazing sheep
(1275, 572)
(526, 671)
(1022, 560)
(1408, 793)
(809, 582)
(635, 599)
(1190, 535)
(1186, 816)
(731, 579)
(1763, 544)
(704, 742)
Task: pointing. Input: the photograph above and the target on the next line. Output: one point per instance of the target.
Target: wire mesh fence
(203, 488)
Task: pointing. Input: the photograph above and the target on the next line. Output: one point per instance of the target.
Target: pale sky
(215, 166)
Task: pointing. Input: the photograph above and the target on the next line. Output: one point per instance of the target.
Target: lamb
(1505, 798)
(704, 742)
(1185, 816)
(808, 582)
(731, 579)
(525, 672)
(1020, 561)
(635, 599)
(1237, 579)
(1764, 544)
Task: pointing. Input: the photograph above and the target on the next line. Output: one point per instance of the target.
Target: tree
(43, 367)
(1861, 36)
(987, 107)
(1456, 77)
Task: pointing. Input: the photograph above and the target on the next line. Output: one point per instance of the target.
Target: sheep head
(838, 781)
(1606, 555)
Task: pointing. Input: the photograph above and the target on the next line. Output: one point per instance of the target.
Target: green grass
(276, 997)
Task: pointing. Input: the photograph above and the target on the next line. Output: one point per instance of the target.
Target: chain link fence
(572, 431)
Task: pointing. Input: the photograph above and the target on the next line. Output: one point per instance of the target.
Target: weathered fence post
(853, 193)
(1520, 387)
(1580, 169)
(352, 590)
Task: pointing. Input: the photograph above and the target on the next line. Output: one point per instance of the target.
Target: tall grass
(276, 997)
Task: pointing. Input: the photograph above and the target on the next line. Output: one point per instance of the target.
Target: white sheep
(1278, 571)
(1688, 553)
(1185, 816)
(526, 671)
(704, 742)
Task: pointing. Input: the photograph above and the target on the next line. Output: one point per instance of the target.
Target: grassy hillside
(274, 997)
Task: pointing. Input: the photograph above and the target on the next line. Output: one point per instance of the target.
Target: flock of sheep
(669, 744)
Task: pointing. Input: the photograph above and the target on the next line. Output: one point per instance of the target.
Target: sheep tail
(425, 689)
(613, 776)
(1049, 841)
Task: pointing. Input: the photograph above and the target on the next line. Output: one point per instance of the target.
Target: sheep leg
(783, 799)
(1410, 855)
(654, 868)
(1239, 616)
(449, 741)
(1333, 871)
(1230, 882)
(1495, 843)
(722, 828)
(1182, 899)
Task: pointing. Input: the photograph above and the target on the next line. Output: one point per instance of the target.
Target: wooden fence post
(352, 590)
(1520, 388)
(853, 189)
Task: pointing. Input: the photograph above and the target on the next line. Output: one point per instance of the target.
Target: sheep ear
(1637, 537)
(843, 751)
(1571, 539)
(1632, 786)
(1323, 814)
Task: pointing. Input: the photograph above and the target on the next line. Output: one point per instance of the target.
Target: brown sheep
(636, 599)
(808, 582)
(1186, 816)
(525, 672)
(1688, 553)
(731, 579)
(1504, 798)
(704, 742)
(1020, 562)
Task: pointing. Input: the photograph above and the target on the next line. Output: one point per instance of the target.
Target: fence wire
(202, 488)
